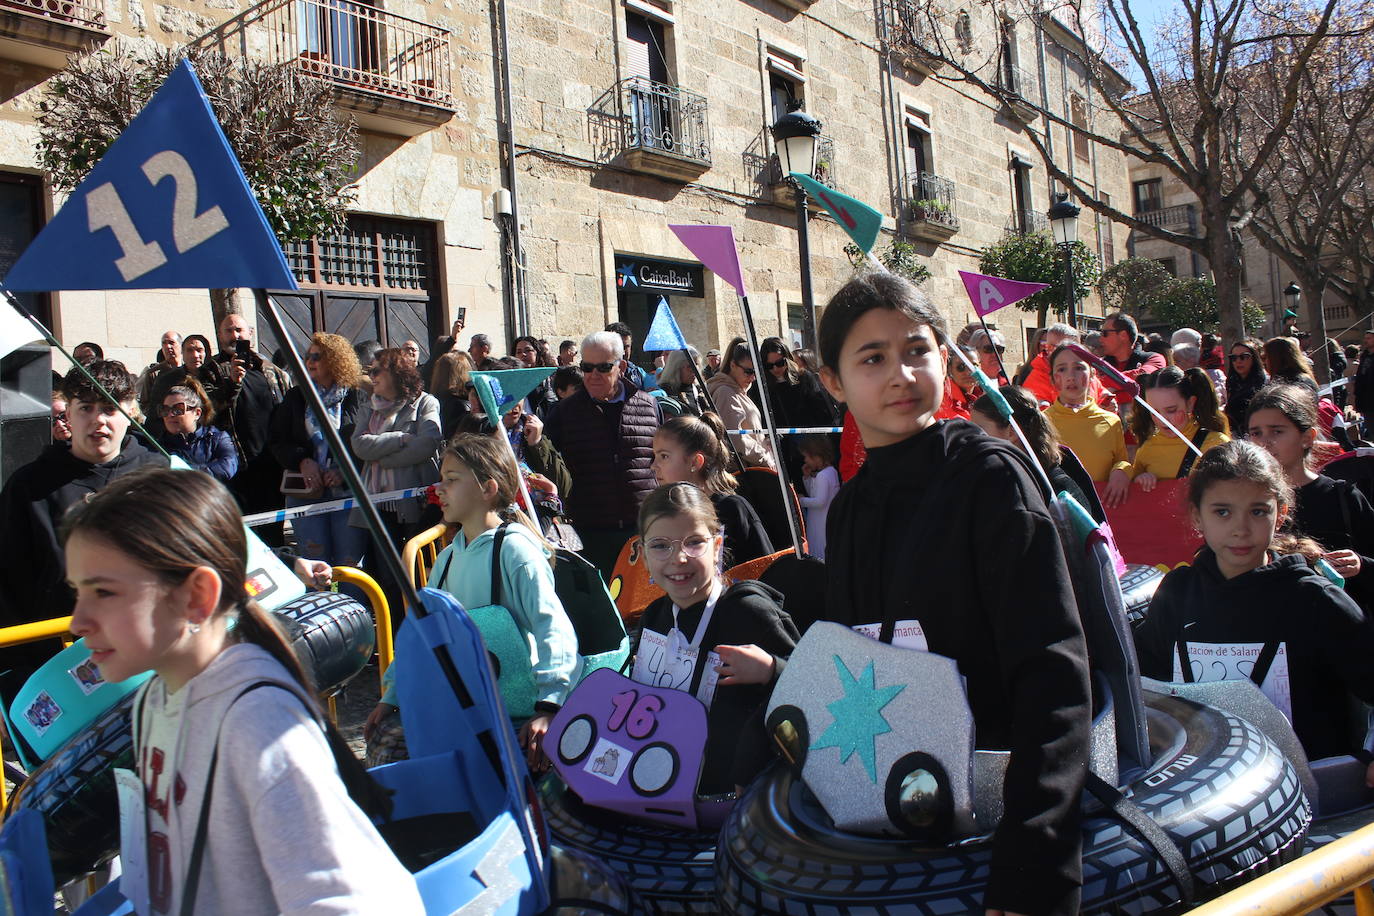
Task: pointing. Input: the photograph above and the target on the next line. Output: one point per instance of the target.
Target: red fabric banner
(1155, 528)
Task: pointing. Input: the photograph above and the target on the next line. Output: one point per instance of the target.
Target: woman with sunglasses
(186, 414)
(796, 396)
(1245, 375)
(729, 390)
(297, 442)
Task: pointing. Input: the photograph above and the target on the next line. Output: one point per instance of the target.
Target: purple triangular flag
(714, 246)
(992, 293)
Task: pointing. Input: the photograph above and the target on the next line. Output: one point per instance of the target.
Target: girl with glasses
(186, 414)
(724, 643)
(729, 390)
(1244, 376)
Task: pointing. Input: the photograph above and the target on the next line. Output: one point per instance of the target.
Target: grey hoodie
(283, 835)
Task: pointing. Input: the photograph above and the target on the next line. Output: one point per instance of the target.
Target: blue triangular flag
(167, 206)
(664, 334)
(498, 391)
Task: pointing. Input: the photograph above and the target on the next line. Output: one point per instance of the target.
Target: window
(1078, 114)
(796, 321)
(782, 93)
(1170, 265)
(646, 44)
(916, 149)
(1149, 195)
(1007, 61)
(1104, 228)
(1023, 201)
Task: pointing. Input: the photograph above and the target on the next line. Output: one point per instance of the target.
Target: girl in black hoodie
(724, 643)
(949, 528)
(1250, 606)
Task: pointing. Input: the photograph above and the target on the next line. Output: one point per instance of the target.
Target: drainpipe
(1044, 94)
(516, 302)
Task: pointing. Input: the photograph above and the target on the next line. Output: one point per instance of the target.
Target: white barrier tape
(789, 431)
(1326, 389)
(334, 505)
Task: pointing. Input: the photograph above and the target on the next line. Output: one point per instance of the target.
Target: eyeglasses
(989, 348)
(603, 368)
(776, 364)
(524, 351)
(747, 370)
(693, 546)
(59, 417)
(1237, 357)
(174, 410)
(313, 357)
(1111, 330)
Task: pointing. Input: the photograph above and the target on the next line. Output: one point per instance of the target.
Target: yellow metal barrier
(421, 551)
(33, 632)
(1302, 886)
(381, 611)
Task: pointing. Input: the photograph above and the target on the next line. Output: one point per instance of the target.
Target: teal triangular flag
(855, 217)
(498, 391)
(664, 334)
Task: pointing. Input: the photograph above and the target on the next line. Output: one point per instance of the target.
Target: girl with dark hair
(961, 389)
(1039, 431)
(477, 491)
(534, 353)
(692, 450)
(398, 438)
(796, 395)
(1188, 401)
(1245, 375)
(1283, 421)
(948, 528)
(1252, 593)
(1285, 362)
(1093, 433)
(158, 560)
(725, 643)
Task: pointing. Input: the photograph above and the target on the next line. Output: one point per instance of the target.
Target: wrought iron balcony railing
(361, 47)
(1027, 221)
(1015, 81)
(933, 201)
(80, 12)
(1183, 216)
(825, 164)
(659, 118)
(910, 34)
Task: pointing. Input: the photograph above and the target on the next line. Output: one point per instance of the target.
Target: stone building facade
(636, 114)
(416, 76)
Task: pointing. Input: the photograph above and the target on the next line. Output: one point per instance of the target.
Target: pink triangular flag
(714, 246)
(992, 293)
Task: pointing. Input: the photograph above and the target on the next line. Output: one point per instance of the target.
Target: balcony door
(653, 111)
(340, 35)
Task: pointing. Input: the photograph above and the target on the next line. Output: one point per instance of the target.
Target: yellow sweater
(1094, 434)
(1163, 452)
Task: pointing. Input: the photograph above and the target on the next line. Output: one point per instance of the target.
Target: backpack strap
(1190, 456)
(496, 563)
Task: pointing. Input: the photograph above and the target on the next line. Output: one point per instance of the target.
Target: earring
(651, 580)
(194, 628)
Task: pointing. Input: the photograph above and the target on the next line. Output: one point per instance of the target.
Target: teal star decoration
(858, 717)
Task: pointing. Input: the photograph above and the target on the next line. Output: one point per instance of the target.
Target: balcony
(48, 32)
(1018, 92)
(390, 71)
(784, 194)
(931, 210)
(911, 36)
(1024, 222)
(1182, 217)
(653, 128)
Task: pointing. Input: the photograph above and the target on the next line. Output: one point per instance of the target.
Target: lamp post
(794, 138)
(1292, 293)
(1063, 217)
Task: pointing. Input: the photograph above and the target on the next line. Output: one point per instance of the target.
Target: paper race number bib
(659, 666)
(907, 634)
(1210, 661)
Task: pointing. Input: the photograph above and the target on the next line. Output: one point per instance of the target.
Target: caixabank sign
(646, 275)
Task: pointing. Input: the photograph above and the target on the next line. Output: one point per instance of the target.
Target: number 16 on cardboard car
(632, 748)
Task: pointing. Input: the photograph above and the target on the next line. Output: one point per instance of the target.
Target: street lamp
(1063, 217)
(795, 137)
(1293, 293)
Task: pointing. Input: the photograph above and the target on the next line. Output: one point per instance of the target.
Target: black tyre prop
(1224, 792)
(74, 790)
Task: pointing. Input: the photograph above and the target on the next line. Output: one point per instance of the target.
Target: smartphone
(242, 350)
(462, 314)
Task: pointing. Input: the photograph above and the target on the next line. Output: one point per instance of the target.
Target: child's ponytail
(1194, 383)
(704, 436)
(490, 459)
(1206, 409)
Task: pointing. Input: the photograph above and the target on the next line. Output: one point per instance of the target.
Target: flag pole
(696, 371)
(1001, 366)
(52, 341)
(793, 523)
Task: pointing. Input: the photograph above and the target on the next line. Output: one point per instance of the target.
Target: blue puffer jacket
(207, 449)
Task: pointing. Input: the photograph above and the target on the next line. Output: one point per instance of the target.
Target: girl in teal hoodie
(478, 483)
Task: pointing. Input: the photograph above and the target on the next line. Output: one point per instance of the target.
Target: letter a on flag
(664, 334)
(992, 293)
(855, 217)
(167, 206)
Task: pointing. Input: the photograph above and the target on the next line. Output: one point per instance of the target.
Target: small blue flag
(166, 207)
(498, 391)
(664, 334)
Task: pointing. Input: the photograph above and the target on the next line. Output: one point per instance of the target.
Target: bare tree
(1182, 119)
(1317, 181)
